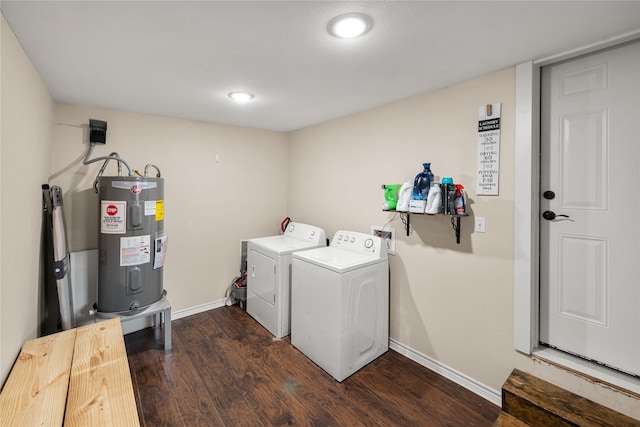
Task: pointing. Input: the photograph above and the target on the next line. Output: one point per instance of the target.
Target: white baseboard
(197, 309)
(470, 384)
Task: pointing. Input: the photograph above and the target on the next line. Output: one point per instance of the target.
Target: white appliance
(340, 303)
(269, 274)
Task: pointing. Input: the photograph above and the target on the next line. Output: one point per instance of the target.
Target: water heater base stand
(161, 312)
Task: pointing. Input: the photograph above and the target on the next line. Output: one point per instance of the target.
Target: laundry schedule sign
(488, 150)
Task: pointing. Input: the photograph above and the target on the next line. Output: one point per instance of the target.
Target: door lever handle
(551, 215)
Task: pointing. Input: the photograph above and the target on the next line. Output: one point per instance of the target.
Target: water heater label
(135, 250)
(159, 210)
(114, 217)
(161, 252)
(150, 208)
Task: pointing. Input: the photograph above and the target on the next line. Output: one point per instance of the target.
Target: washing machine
(340, 303)
(269, 274)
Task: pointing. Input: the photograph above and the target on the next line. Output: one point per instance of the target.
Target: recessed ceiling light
(241, 96)
(350, 25)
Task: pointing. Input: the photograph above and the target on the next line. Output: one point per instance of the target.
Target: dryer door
(261, 276)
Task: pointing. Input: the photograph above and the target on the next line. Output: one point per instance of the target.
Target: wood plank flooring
(225, 369)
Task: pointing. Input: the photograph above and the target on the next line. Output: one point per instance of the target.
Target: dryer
(269, 274)
(340, 303)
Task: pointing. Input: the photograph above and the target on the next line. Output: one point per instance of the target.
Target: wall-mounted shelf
(455, 221)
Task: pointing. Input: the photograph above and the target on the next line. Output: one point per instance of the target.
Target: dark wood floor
(225, 369)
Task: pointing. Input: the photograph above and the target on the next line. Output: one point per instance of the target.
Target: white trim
(527, 154)
(594, 370)
(613, 41)
(493, 396)
(175, 315)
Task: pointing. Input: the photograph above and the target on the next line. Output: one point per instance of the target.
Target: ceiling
(182, 58)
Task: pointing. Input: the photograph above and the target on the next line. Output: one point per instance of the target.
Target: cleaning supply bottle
(390, 196)
(458, 201)
(434, 199)
(422, 183)
(404, 196)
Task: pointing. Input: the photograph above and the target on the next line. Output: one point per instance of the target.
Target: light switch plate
(480, 225)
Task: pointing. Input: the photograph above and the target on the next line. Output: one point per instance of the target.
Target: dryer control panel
(361, 243)
(305, 232)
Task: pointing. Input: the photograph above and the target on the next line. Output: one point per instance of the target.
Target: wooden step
(506, 420)
(539, 403)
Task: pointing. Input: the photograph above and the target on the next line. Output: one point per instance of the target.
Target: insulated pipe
(86, 160)
(112, 156)
(104, 165)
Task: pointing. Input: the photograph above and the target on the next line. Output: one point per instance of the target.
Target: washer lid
(337, 260)
(281, 245)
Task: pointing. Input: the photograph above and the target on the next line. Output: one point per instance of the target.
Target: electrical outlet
(480, 225)
(388, 235)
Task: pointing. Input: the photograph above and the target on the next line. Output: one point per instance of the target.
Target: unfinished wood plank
(36, 390)
(100, 390)
(540, 403)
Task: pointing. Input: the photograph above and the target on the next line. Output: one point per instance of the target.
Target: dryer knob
(368, 243)
(353, 239)
(313, 233)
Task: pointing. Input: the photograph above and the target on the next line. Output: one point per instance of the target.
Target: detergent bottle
(422, 183)
(434, 199)
(458, 201)
(404, 196)
(390, 196)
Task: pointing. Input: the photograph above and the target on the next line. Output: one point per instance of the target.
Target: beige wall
(210, 206)
(452, 303)
(27, 114)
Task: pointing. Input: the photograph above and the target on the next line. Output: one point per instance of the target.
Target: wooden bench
(77, 377)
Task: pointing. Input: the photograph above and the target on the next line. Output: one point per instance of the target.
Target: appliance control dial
(368, 243)
(353, 239)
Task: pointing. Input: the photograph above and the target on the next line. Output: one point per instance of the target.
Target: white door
(590, 160)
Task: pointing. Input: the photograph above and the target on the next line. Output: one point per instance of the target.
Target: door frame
(526, 214)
